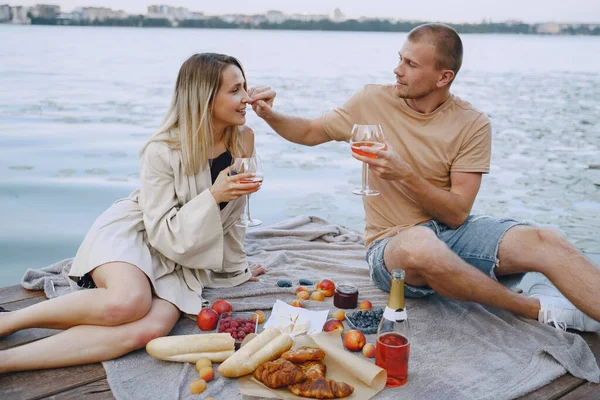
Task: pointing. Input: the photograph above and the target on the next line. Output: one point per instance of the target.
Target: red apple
(354, 340)
(327, 287)
(207, 319)
(365, 305)
(369, 350)
(333, 324)
(221, 306)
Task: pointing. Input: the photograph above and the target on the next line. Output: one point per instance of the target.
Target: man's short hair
(447, 43)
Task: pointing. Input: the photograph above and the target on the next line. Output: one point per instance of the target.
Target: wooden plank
(26, 335)
(587, 391)
(48, 382)
(16, 293)
(98, 390)
(555, 389)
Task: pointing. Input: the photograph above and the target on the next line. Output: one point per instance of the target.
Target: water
(77, 104)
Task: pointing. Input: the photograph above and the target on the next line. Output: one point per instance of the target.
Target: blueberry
(284, 283)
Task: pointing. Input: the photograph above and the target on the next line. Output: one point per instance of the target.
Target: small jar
(346, 295)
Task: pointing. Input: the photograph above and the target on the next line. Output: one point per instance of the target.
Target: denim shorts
(476, 241)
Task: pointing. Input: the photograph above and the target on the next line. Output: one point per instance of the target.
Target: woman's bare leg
(123, 295)
(87, 344)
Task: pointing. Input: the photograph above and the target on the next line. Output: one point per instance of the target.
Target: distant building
(309, 17)
(45, 11)
(98, 13)
(168, 12)
(197, 15)
(338, 15)
(18, 15)
(275, 17)
(5, 14)
(549, 28)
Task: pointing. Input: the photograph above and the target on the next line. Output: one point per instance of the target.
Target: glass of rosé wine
(247, 164)
(366, 136)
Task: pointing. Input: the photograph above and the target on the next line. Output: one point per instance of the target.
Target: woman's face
(230, 103)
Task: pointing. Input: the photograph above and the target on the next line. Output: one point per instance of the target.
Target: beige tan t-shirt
(455, 137)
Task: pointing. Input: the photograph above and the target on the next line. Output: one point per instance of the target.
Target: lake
(77, 104)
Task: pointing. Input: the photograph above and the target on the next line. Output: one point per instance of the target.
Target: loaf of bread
(190, 348)
(267, 346)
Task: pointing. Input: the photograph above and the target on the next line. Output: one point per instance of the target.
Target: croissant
(304, 353)
(313, 369)
(322, 388)
(279, 373)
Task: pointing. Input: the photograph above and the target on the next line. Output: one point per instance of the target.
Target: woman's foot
(257, 269)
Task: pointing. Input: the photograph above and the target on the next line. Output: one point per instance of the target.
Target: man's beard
(407, 92)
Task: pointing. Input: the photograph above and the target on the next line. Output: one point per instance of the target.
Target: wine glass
(242, 165)
(366, 136)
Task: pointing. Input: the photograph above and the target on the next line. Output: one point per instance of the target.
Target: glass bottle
(393, 334)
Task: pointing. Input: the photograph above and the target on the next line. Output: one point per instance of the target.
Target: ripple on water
(96, 171)
(21, 167)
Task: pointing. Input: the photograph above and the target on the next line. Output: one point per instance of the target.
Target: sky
(529, 11)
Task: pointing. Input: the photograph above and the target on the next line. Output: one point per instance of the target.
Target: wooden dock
(89, 381)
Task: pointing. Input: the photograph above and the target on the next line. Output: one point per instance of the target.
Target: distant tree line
(323, 25)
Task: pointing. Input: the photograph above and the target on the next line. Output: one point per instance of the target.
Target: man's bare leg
(544, 250)
(428, 261)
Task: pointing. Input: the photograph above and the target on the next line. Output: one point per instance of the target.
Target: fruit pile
(238, 328)
(365, 319)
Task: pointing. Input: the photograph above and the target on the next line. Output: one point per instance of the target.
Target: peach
(317, 296)
(302, 295)
(340, 315)
(207, 319)
(333, 324)
(258, 316)
(296, 303)
(198, 386)
(354, 340)
(222, 306)
(302, 289)
(369, 350)
(365, 305)
(202, 363)
(327, 287)
(207, 373)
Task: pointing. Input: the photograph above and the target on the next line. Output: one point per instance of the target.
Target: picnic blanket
(459, 350)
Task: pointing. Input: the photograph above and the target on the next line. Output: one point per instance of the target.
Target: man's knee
(414, 250)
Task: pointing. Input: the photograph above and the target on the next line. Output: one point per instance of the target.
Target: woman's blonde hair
(188, 125)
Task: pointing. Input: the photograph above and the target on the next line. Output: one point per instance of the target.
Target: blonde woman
(150, 255)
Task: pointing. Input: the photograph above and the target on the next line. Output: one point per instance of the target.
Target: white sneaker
(557, 311)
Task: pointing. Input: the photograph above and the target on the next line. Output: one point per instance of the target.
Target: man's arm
(449, 207)
(295, 129)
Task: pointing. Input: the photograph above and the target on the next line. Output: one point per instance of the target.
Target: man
(429, 175)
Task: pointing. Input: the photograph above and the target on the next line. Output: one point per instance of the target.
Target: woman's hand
(226, 188)
(257, 269)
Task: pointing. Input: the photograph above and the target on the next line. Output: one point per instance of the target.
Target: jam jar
(346, 295)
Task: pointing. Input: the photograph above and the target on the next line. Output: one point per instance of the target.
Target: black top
(217, 165)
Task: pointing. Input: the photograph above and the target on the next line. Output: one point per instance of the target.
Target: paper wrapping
(343, 366)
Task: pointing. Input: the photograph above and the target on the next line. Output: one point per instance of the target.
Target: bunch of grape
(238, 328)
(366, 318)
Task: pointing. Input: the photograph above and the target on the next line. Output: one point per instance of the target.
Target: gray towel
(458, 351)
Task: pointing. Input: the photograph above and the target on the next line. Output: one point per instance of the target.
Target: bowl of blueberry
(365, 321)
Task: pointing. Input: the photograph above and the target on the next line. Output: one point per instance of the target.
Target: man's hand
(261, 99)
(387, 165)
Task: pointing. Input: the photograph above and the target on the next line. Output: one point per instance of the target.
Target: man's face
(416, 75)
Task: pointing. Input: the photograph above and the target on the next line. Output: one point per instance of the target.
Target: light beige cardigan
(173, 230)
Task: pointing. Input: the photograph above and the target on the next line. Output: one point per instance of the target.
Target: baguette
(189, 348)
(267, 346)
